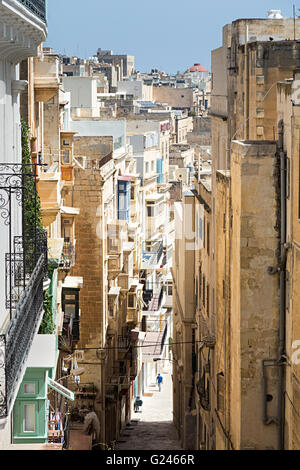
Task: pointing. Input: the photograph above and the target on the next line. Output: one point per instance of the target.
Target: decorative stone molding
(21, 32)
(18, 86)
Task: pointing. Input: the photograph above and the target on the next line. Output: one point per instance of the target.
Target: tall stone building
(288, 146)
(255, 55)
(245, 383)
(108, 257)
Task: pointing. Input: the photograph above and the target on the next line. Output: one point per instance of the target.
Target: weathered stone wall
(222, 296)
(175, 97)
(254, 292)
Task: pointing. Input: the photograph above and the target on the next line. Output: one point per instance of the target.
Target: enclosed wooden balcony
(46, 77)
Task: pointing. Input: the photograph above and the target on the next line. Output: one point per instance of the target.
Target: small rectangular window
(70, 310)
(66, 156)
(113, 245)
(131, 300)
(29, 418)
(150, 211)
(70, 297)
(29, 389)
(200, 228)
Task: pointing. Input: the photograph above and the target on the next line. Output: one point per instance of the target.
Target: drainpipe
(283, 249)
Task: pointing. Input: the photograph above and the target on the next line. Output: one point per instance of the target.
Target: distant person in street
(159, 381)
(138, 402)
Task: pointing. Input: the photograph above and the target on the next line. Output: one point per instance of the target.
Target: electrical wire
(139, 346)
(291, 402)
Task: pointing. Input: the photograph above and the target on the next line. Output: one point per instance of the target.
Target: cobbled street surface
(152, 428)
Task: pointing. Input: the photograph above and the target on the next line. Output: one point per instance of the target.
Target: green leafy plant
(47, 326)
(32, 203)
(32, 221)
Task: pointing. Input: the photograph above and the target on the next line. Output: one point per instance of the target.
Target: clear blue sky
(170, 35)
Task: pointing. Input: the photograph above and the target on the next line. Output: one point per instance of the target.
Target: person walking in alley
(138, 402)
(159, 381)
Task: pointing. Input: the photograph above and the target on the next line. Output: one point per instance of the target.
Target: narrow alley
(152, 428)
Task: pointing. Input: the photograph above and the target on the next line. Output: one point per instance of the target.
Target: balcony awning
(61, 389)
(114, 291)
(73, 282)
(55, 248)
(152, 343)
(70, 210)
(124, 178)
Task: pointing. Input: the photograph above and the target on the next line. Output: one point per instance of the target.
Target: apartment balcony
(152, 258)
(134, 303)
(115, 385)
(124, 281)
(67, 157)
(37, 7)
(22, 28)
(133, 316)
(168, 303)
(134, 368)
(68, 256)
(153, 299)
(26, 270)
(116, 237)
(46, 77)
(153, 344)
(115, 265)
(49, 187)
(123, 341)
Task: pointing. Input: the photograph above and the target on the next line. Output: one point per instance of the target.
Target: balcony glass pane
(70, 310)
(29, 418)
(66, 156)
(29, 389)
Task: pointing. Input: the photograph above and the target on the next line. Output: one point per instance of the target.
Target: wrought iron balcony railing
(26, 267)
(153, 257)
(153, 298)
(124, 339)
(21, 261)
(15, 343)
(38, 7)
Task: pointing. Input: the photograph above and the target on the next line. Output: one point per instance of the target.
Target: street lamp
(156, 359)
(179, 362)
(73, 373)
